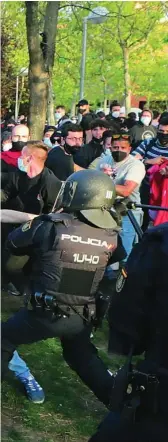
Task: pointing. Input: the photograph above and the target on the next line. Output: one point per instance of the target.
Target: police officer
(68, 253)
(138, 321)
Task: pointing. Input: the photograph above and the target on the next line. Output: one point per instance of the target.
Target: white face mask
(116, 114)
(7, 147)
(47, 142)
(145, 120)
(57, 115)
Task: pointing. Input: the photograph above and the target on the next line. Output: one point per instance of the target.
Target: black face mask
(81, 111)
(71, 150)
(17, 146)
(118, 155)
(163, 138)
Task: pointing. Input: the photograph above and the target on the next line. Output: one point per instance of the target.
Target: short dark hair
(132, 115)
(49, 129)
(155, 114)
(60, 106)
(99, 123)
(107, 134)
(56, 135)
(114, 103)
(37, 145)
(71, 127)
(100, 114)
(163, 120)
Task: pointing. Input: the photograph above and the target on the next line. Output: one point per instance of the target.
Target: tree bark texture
(127, 80)
(41, 59)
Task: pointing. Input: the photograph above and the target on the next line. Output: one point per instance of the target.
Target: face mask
(18, 145)
(107, 152)
(7, 147)
(81, 111)
(116, 114)
(145, 120)
(21, 165)
(70, 149)
(155, 124)
(119, 156)
(163, 138)
(57, 116)
(47, 142)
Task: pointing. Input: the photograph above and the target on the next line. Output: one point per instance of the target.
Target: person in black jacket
(68, 254)
(138, 323)
(143, 130)
(35, 186)
(89, 152)
(61, 158)
(87, 117)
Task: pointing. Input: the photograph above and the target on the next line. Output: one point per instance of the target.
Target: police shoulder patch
(121, 280)
(26, 226)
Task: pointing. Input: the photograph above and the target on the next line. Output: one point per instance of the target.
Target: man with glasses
(127, 173)
(60, 159)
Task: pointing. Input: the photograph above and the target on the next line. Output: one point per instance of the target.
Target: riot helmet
(92, 193)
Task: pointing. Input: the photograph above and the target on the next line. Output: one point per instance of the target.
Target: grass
(70, 412)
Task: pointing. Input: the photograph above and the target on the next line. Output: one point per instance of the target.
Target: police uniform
(138, 321)
(68, 258)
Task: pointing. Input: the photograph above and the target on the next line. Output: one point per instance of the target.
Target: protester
(156, 117)
(131, 120)
(158, 179)
(60, 114)
(114, 115)
(48, 131)
(143, 130)
(60, 158)
(9, 159)
(88, 152)
(152, 152)
(6, 140)
(35, 185)
(87, 117)
(127, 174)
(101, 115)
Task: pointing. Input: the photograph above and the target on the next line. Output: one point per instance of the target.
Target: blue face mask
(47, 142)
(21, 165)
(107, 152)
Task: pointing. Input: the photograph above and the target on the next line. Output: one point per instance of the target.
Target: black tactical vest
(75, 260)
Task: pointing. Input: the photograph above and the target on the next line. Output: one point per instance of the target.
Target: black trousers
(144, 429)
(25, 327)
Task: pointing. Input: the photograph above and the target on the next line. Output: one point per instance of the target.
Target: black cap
(82, 102)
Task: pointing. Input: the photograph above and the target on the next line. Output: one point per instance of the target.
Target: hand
(157, 160)
(107, 169)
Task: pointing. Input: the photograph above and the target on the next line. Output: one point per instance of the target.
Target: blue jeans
(17, 364)
(128, 234)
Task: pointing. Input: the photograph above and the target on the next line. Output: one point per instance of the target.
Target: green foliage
(134, 24)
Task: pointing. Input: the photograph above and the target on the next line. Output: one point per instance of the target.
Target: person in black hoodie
(143, 130)
(89, 152)
(114, 115)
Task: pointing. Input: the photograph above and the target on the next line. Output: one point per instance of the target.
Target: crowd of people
(132, 152)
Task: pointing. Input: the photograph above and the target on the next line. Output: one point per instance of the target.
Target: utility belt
(134, 391)
(47, 306)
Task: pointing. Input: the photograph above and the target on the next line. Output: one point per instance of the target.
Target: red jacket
(159, 191)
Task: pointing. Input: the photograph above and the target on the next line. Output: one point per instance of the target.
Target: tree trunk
(41, 56)
(50, 105)
(127, 80)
